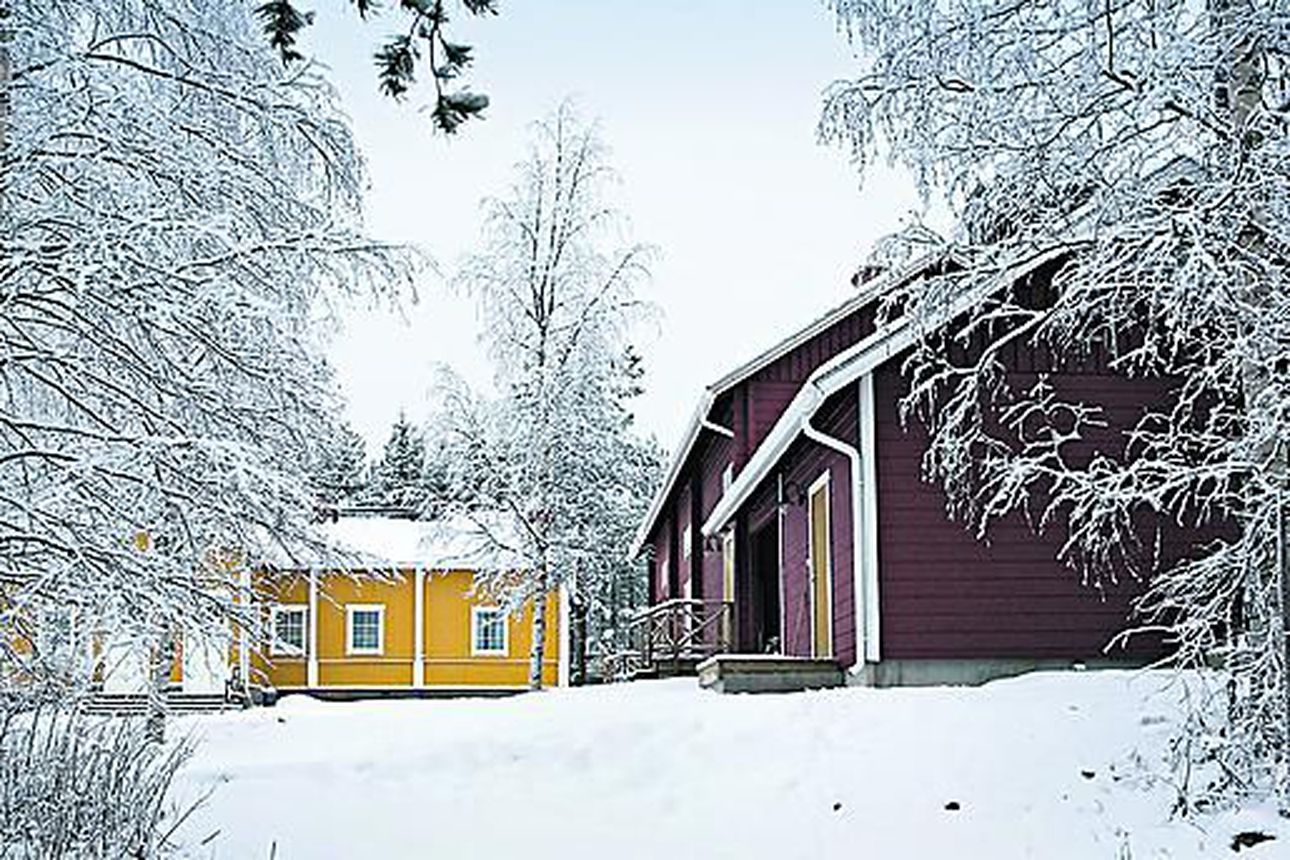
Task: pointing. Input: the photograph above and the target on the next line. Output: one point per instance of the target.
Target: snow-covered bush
(73, 786)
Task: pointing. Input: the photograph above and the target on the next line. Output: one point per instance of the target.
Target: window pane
(366, 632)
(289, 629)
(490, 630)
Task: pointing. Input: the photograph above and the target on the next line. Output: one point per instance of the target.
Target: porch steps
(136, 704)
(768, 673)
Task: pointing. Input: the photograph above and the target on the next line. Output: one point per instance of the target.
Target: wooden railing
(674, 631)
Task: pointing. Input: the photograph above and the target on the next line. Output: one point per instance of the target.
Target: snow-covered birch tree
(540, 464)
(179, 214)
(1142, 147)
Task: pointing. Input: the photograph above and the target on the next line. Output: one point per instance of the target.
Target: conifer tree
(339, 473)
(398, 478)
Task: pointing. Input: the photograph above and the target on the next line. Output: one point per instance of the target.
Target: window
(487, 630)
(727, 477)
(685, 542)
(288, 631)
(365, 626)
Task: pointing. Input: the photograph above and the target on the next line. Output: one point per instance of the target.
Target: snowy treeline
(178, 215)
(550, 471)
(1143, 147)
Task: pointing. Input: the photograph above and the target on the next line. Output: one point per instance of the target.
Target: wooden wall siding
(801, 466)
(801, 362)
(662, 557)
(751, 408)
(717, 453)
(769, 400)
(445, 634)
(945, 594)
(683, 517)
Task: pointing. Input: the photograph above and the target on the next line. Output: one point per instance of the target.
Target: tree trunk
(1283, 569)
(162, 661)
(538, 650)
(578, 641)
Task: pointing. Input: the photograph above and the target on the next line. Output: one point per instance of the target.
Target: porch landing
(768, 673)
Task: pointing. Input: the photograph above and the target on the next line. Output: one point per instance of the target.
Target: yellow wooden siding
(447, 662)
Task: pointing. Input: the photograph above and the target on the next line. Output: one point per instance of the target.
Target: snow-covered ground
(1048, 765)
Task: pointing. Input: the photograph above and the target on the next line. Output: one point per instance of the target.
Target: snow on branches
(178, 215)
(1141, 149)
(554, 455)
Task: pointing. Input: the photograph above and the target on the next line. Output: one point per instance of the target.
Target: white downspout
(563, 638)
(419, 628)
(857, 527)
(311, 679)
(243, 633)
(779, 573)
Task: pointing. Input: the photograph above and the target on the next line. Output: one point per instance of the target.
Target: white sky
(709, 107)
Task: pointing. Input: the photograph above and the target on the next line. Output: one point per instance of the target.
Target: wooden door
(821, 569)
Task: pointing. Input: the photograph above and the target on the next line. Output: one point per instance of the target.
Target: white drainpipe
(857, 582)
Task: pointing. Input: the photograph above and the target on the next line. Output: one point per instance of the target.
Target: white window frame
(278, 648)
(727, 476)
(350, 610)
(475, 650)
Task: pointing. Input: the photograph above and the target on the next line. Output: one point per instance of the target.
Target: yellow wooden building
(405, 625)
(392, 619)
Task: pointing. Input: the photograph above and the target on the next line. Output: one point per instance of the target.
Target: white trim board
(699, 418)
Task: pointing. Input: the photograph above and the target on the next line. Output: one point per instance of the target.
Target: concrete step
(768, 673)
(136, 704)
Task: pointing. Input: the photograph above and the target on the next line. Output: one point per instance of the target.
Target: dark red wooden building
(794, 520)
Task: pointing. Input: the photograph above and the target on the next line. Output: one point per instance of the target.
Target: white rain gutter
(843, 369)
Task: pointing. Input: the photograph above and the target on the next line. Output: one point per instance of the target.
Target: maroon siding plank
(718, 453)
(682, 509)
(944, 594)
(662, 557)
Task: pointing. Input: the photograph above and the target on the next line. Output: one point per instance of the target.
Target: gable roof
(846, 368)
(868, 292)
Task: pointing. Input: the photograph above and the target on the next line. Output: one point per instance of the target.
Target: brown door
(821, 570)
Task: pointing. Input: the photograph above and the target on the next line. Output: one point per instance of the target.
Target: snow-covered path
(1040, 766)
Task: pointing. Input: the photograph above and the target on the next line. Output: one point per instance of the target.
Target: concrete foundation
(930, 673)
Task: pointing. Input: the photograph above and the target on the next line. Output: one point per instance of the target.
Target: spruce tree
(398, 478)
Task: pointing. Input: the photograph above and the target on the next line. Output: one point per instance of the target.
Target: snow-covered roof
(403, 543)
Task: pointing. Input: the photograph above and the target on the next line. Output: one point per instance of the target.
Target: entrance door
(765, 588)
(821, 570)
